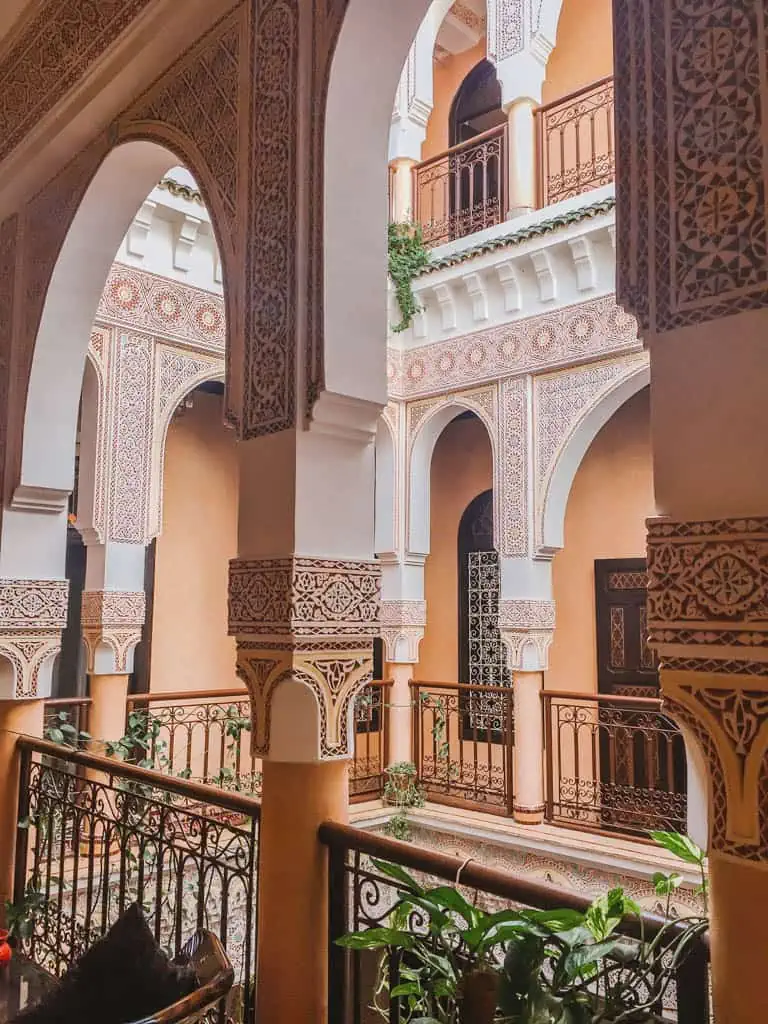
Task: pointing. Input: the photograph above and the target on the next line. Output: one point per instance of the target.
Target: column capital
(304, 625)
(402, 629)
(708, 621)
(112, 624)
(527, 629)
(33, 614)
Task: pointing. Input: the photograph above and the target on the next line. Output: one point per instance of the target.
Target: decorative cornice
(180, 191)
(526, 615)
(112, 619)
(33, 604)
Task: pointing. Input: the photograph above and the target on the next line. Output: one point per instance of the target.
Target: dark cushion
(124, 977)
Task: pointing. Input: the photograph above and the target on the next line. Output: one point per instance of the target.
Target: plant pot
(5, 950)
(479, 997)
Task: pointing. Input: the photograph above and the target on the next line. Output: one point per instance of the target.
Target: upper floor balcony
(467, 188)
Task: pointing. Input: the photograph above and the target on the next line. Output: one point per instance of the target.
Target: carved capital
(527, 649)
(304, 623)
(33, 614)
(112, 623)
(402, 630)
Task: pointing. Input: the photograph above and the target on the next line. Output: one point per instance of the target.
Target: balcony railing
(462, 190)
(70, 711)
(463, 741)
(576, 143)
(366, 772)
(362, 897)
(203, 736)
(89, 845)
(614, 764)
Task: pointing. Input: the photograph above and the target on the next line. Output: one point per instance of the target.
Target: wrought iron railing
(462, 190)
(202, 736)
(88, 845)
(362, 897)
(366, 772)
(68, 711)
(614, 764)
(576, 142)
(463, 742)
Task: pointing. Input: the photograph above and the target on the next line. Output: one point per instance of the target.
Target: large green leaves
(681, 846)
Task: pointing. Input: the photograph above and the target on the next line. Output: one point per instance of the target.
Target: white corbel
(478, 296)
(447, 305)
(138, 232)
(583, 255)
(545, 275)
(185, 242)
(510, 283)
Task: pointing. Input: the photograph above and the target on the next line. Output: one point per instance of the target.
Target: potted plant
(403, 791)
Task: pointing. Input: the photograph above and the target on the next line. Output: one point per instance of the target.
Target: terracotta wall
(449, 74)
(611, 497)
(583, 50)
(190, 646)
(462, 468)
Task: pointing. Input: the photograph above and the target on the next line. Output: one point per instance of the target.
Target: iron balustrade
(203, 736)
(463, 744)
(577, 142)
(75, 709)
(361, 897)
(613, 764)
(95, 835)
(366, 771)
(462, 190)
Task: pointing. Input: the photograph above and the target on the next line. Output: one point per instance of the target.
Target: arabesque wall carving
(33, 614)
(112, 619)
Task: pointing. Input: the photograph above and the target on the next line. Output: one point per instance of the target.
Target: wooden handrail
(58, 702)
(190, 696)
(477, 140)
(473, 875)
(603, 698)
(225, 799)
(569, 97)
(420, 684)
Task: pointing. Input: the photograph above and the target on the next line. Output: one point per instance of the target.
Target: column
(304, 596)
(527, 629)
(694, 273)
(402, 630)
(402, 206)
(522, 164)
(17, 718)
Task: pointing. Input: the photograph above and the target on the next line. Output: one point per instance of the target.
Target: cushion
(124, 977)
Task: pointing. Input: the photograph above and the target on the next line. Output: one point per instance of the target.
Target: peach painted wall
(611, 497)
(583, 50)
(190, 646)
(448, 76)
(462, 468)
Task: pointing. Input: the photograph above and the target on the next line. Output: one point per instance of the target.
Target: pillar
(17, 718)
(303, 605)
(106, 715)
(402, 630)
(694, 273)
(527, 629)
(402, 200)
(522, 163)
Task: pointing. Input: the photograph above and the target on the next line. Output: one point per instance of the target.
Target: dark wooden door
(642, 754)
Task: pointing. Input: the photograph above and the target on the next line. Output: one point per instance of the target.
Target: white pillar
(522, 162)
(402, 630)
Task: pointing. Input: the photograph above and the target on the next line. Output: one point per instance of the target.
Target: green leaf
(586, 956)
(56, 736)
(555, 920)
(448, 898)
(666, 884)
(377, 938)
(399, 874)
(681, 846)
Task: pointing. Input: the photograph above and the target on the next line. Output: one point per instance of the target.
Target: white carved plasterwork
(527, 649)
(402, 629)
(112, 619)
(140, 301)
(506, 28)
(131, 439)
(561, 402)
(513, 471)
(393, 417)
(568, 336)
(33, 614)
(526, 614)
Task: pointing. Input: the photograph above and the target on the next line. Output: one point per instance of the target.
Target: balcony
(464, 190)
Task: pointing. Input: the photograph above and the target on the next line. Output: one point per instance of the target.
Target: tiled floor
(21, 984)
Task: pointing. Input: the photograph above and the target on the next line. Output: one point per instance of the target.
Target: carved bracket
(33, 614)
(112, 621)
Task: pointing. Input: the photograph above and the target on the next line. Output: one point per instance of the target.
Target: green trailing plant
(141, 744)
(59, 729)
(455, 963)
(686, 850)
(20, 917)
(402, 791)
(407, 258)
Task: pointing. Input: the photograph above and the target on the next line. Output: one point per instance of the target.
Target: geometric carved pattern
(570, 335)
(112, 619)
(33, 614)
(561, 401)
(506, 28)
(306, 620)
(513, 449)
(691, 79)
(402, 626)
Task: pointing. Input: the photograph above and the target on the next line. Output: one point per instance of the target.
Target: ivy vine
(407, 258)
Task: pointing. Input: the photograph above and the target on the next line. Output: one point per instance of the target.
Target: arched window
(482, 656)
(477, 105)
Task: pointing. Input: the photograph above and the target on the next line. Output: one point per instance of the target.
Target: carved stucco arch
(426, 422)
(570, 409)
(386, 525)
